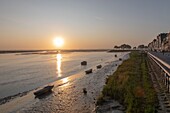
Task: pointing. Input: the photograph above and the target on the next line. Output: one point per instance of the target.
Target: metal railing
(162, 65)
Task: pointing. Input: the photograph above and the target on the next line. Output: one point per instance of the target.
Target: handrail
(164, 63)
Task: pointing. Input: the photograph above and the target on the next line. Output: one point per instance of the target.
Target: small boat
(99, 66)
(84, 63)
(43, 91)
(89, 71)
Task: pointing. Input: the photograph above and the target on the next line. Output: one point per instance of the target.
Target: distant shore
(122, 50)
(63, 51)
(40, 51)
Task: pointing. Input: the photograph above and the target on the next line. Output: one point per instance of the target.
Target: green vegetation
(131, 85)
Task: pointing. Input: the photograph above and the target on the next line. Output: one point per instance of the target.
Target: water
(20, 73)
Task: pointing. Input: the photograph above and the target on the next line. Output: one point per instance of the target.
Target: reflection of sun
(58, 41)
(59, 58)
(65, 80)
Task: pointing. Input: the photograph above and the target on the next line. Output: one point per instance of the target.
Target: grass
(131, 85)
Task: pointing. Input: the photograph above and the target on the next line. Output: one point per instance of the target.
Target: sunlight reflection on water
(58, 65)
(65, 82)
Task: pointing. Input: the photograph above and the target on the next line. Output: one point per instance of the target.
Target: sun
(58, 41)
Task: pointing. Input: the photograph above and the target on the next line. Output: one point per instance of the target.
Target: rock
(84, 91)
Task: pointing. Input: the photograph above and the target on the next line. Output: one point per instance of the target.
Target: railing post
(165, 74)
(162, 76)
(165, 78)
(168, 82)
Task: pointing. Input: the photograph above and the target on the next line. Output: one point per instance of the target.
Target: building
(155, 45)
(166, 43)
(160, 38)
(160, 43)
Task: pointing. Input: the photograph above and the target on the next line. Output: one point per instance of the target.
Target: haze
(83, 24)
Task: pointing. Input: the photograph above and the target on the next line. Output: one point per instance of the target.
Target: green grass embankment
(131, 85)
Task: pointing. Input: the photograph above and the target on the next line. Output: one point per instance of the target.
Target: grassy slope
(131, 85)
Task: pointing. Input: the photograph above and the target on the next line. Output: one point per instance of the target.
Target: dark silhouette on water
(99, 66)
(89, 71)
(43, 91)
(45, 95)
(84, 63)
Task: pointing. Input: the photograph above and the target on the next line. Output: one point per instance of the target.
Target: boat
(89, 71)
(84, 63)
(99, 66)
(44, 90)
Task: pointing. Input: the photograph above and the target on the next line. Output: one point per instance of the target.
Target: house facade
(160, 43)
(166, 43)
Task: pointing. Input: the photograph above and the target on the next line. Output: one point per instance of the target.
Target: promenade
(159, 70)
(164, 57)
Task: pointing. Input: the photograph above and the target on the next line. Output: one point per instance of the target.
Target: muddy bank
(10, 98)
(110, 106)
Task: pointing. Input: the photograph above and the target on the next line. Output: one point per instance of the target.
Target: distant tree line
(123, 46)
(142, 46)
(126, 46)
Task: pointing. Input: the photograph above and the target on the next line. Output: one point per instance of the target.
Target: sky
(83, 24)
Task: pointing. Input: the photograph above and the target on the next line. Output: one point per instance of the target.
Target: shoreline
(29, 97)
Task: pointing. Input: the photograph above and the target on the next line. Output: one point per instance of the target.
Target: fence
(163, 69)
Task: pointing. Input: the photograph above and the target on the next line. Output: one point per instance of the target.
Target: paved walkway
(165, 57)
(160, 88)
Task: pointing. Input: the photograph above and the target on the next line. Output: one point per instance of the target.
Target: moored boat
(99, 66)
(44, 90)
(84, 63)
(89, 71)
